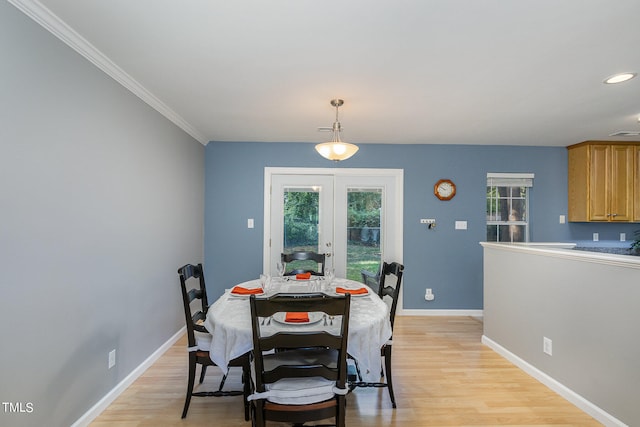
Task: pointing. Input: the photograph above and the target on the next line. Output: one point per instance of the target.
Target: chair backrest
(295, 263)
(390, 281)
(193, 288)
(328, 338)
(370, 279)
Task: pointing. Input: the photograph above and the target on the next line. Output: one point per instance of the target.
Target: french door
(354, 216)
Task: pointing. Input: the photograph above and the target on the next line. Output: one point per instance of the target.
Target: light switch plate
(250, 223)
(461, 225)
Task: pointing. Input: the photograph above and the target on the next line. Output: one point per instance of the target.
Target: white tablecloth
(229, 321)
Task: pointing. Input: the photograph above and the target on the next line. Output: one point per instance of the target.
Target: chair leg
(246, 381)
(224, 378)
(203, 371)
(341, 411)
(258, 413)
(192, 377)
(358, 370)
(387, 367)
(252, 410)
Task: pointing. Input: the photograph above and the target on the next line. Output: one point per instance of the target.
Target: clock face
(444, 189)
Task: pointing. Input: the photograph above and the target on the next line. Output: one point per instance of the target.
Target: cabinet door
(621, 207)
(578, 183)
(599, 183)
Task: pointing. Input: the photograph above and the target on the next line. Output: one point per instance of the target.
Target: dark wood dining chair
(305, 379)
(303, 262)
(199, 339)
(388, 284)
(371, 279)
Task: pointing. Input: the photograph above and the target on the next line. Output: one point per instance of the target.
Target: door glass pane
(301, 213)
(363, 231)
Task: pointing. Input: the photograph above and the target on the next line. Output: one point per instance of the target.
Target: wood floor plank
(443, 376)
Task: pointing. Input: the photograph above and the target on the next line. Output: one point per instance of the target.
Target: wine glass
(280, 269)
(329, 274)
(265, 282)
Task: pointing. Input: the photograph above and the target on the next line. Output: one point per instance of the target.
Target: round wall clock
(444, 189)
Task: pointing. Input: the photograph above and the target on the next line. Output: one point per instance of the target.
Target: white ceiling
(526, 72)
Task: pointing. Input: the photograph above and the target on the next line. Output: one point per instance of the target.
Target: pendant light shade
(336, 149)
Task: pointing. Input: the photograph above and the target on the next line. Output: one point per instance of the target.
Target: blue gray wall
(101, 200)
(447, 260)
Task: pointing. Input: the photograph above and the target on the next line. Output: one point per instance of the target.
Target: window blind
(509, 179)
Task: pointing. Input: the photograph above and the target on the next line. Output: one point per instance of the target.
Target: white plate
(314, 317)
(295, 288)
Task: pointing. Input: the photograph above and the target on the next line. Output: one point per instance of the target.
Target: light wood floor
(443, 376)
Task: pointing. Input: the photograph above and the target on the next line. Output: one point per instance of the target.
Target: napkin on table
(360, 291)
(302, 317)
(239, 290)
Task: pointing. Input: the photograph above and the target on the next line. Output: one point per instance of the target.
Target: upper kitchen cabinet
(601, 181)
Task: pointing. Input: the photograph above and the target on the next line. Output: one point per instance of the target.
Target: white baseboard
(103, 403)
(422, 312)
(573, 397)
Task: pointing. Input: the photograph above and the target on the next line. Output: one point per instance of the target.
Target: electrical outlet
(547, 345)
(112, 358)
(623, 237)
(563, 219)
(596, 237)
(428, 295)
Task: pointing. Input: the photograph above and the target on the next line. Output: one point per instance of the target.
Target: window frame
(509, 181)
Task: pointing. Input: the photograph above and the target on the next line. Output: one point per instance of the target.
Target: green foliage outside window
(301, 218)
(364, 209)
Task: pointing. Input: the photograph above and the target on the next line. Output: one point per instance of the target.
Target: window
(508, 206)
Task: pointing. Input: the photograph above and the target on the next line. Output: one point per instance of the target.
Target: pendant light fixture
(336, 149)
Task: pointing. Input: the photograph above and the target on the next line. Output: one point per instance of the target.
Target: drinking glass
(329, 274)
(280, 269)
(265, 282)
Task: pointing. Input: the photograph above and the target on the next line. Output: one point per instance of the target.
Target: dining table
(229, 319)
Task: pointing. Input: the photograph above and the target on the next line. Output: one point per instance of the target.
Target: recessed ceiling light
(619, 78)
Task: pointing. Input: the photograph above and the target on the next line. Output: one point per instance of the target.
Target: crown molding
(52, 23)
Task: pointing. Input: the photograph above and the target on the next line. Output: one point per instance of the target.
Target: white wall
(587, 305)
(101, 200)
